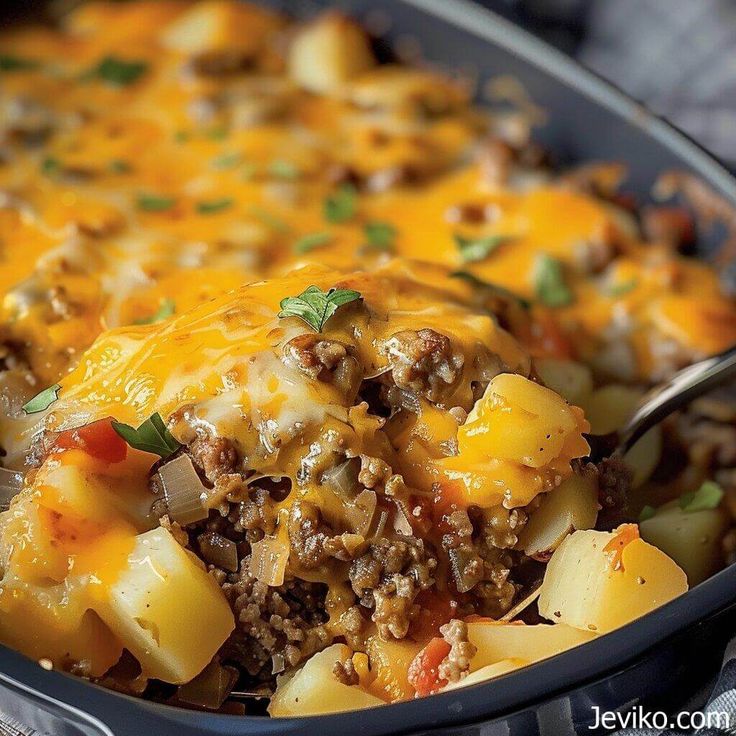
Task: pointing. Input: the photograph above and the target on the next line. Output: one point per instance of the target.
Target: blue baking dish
(676, 646)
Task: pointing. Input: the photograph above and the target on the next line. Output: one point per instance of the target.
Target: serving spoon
(680, 389)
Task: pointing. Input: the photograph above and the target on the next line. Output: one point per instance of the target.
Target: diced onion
(10, 484)
(361, 511)
(268, 561)
(343, 478)
(210, 687)
(183, 490)
(278, 663)
(219, 551)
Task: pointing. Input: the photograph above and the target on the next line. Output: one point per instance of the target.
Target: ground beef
(287, 620)
(387, 579)
(456, 664)
(614, 483)
(324, 360)
(215, 456)
(423, 362)
(708, 443)
(345, 672)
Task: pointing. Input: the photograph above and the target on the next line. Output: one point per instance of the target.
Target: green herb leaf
(10, 63)
(152, 436)
(549, 282)
(621, 289)
(118, 166)
(218, 134)
(226, 161)
(165, 310)
(708, 496)
(210, 207)
(43, 400)
(118, 72)
(315, 306)
(182, 136)
(155, 203)
(380, 235)
(267, 218)
(283, 169)
(309, 242)
(341, 206)
(50, 166)
(478, 249)
(492, 289)
(647, 513)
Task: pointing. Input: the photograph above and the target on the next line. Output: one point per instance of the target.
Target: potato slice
(598, 581)
(692, 540)
(327, 53)
(503, 641)
(572, 505)
(165, 608)
(608, 409)
(488, 673)
(573, 381)
(313, 689)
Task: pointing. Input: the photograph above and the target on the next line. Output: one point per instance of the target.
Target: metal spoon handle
(684, 386)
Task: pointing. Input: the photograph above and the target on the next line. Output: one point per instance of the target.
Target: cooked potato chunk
(573, 505)
(165, 608)
(329, 52)
(488, 673)
(598, 581)
(504, 641)
(314, 689)
(691, 539)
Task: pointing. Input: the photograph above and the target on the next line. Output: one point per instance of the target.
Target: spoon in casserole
(679, 390)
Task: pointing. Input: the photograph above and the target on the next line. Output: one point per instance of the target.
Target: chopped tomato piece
(424, 674)
(451, 494)
(98, 439)
(615, 548)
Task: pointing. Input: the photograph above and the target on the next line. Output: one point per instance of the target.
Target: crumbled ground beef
(324, 360)
(456, 664)
(345, 672)
(423, 362)
(614, 482)
(216, 456)
(388, 577)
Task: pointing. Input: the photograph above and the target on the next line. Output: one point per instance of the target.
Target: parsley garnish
(311, 241)
(226, 161)
(379, 235)
(210, 207)
(118, 72)
(165, 310)
(217, 134)
(283, 169)
(152, 436)
(315, 306)
(43, 400)
(621, 289)
(708, 496)
(17, 64)
(118, 166)
(549, 282)
(478, 249)
(341, 206)
(647, 513)
(154, 202)
(267, 218)
(492, 289)
(182, 136)
(50, 166)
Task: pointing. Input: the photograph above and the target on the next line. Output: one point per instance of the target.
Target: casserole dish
(647, 145)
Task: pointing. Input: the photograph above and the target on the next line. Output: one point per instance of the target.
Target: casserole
(641, 178)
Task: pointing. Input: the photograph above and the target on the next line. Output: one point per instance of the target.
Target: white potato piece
(573, 381)
(497, 641)
(572, 505)
(313, 689)
(219, 25)
(488, 673)
(598, 581)
(608, 409)
(165, 608)
(325, 54)
(691, 539)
